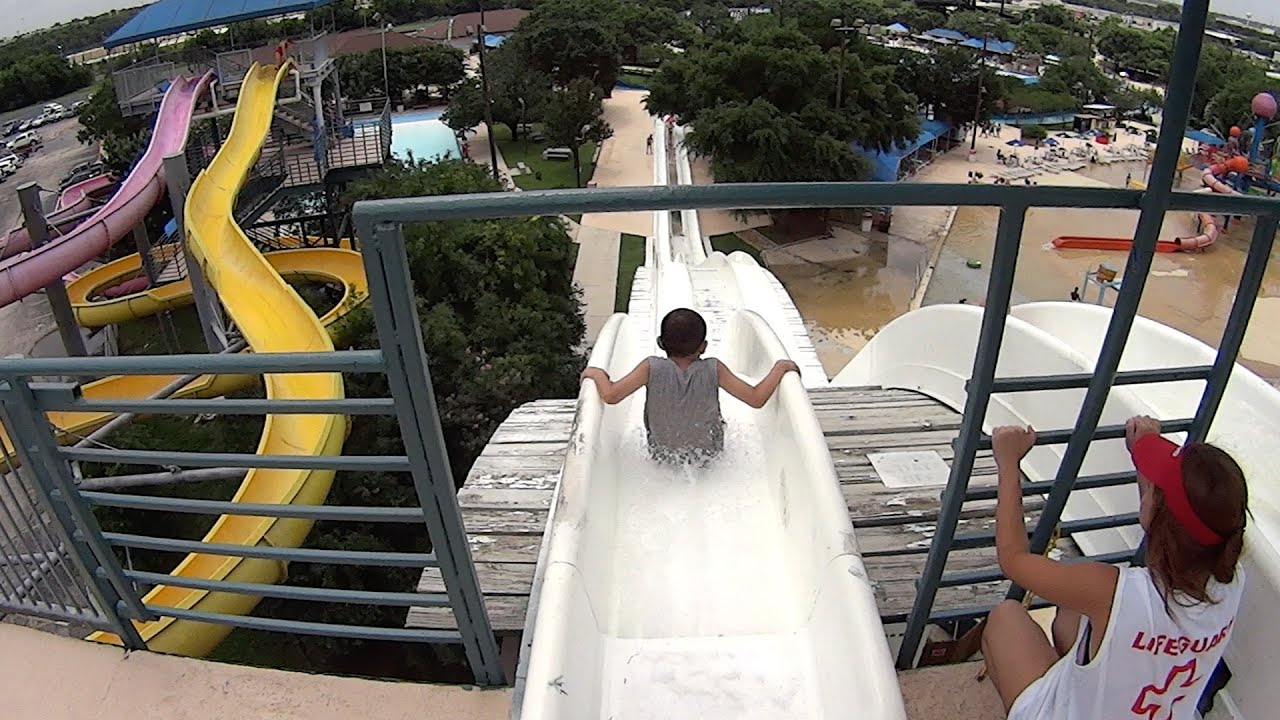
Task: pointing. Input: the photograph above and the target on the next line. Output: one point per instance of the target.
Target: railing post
(1255, 268)
(1186, 54)
(990, 338)
(33, 441)
(408, 376)
(56, 290)
(212, 326)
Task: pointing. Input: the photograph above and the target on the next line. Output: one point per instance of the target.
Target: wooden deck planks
(509, 490)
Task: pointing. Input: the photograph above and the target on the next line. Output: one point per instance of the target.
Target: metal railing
(103, 595)
(316, 230)
(48, 478)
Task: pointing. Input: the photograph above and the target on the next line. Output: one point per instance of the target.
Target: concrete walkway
(52, 678)
(596, 272)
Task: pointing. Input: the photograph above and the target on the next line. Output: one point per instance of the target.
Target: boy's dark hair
(682, 333)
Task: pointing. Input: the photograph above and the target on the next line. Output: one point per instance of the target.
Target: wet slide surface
(272, 318)
(734, 590)
(27, 272)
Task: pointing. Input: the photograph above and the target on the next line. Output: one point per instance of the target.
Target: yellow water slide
(272, 318)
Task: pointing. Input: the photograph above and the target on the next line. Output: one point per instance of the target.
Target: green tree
(408, 70)
(947, 80)
(500, 316)
(121, 138)
(1034, 132)
(980, 24)
(567, 39)
(518, 92)
(1080, 78)
(37, 78)
(763, 107)
(574, 116)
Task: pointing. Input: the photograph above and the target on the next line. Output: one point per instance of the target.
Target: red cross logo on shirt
(1151, 701)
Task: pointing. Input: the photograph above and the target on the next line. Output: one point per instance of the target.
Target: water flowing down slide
(30, 271)
(1248, 426)
(735, 590)
(731, 591)
(272, 318)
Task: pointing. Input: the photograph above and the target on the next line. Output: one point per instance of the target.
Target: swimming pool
(424, 135)
(421, 133)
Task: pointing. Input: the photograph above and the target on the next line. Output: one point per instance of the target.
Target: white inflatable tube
(736, 591)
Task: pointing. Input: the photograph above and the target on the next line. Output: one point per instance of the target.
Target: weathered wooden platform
(508, 492)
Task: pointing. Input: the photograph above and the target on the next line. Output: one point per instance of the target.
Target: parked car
(25, 125)
(10, 128)
(9, 164)
(77, 106)
(81, 172)
(24, 140)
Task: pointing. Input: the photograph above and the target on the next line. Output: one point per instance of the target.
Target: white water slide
(931, 350)
(735, 591)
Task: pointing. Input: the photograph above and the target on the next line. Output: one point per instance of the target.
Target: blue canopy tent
(947, 34)
(171, 17)
(888, 166)
(494, 41)
(899, 28)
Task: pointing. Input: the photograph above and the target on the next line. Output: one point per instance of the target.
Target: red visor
(1160, 461)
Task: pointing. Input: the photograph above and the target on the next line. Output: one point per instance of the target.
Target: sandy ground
(623, 161)
(1191, 292)
(27, 327)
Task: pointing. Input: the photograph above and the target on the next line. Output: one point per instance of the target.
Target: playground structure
(780, 602)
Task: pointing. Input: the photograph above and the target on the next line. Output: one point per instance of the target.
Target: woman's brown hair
(1216, 490)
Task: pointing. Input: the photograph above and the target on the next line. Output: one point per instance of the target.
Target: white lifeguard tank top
(1151, 664)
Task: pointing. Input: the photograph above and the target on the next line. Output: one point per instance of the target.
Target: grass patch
(630, 257)
(147, 335)
(634, 79)
(547, 174)
(773, 233)
(731, 243)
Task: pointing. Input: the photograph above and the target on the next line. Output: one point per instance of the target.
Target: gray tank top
(682, 410)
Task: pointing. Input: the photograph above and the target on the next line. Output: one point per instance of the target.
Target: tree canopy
(567, 39)
(517, 91)
(947, 81)
(500, 315)
(763, 107)
(574, 116)
(407, 70)
(38, 78)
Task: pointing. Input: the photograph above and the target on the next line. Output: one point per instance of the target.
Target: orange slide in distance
(1080, 242)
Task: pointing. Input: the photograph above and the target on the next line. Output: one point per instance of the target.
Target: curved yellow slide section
(273, 318)
(327, 265)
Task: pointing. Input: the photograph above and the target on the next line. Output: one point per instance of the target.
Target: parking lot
(27, 327)
(60, 152)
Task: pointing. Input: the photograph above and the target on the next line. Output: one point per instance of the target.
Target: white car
(24, 140)
(9, 164)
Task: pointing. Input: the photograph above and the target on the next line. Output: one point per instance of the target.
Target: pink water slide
(27, 272)
(75, 205)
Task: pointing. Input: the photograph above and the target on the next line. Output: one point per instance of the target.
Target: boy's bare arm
(756, 395)
(615, 392)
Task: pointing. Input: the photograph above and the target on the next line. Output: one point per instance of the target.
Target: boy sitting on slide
(682, 400)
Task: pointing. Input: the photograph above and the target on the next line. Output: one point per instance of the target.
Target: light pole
(386, 81)
(977, 109)
(838, 25)
(488, 109)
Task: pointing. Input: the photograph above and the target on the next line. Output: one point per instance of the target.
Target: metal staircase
(983, 383)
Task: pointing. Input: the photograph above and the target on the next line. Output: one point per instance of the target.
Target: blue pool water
(421, 133)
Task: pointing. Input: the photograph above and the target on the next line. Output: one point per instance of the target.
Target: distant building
(459, 30)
